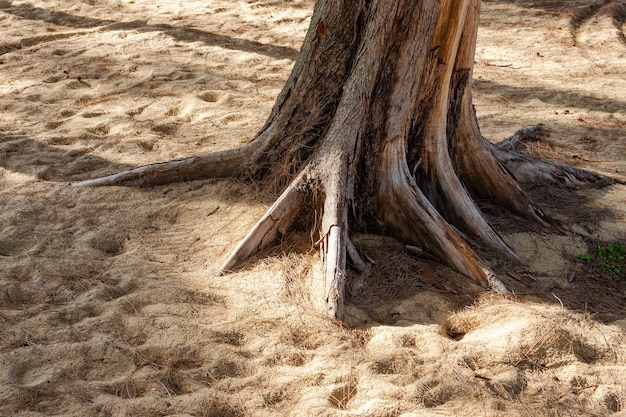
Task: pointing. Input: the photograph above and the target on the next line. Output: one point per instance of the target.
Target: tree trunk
(376, 125)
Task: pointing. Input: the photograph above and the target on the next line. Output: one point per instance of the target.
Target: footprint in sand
(92, 114)
(166, 128)
(110, 244)
(212, 96)
(67, 113)
(99, 130)
(233, 117)
(55, 79)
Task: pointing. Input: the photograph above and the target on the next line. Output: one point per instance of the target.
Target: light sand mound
(109, 303)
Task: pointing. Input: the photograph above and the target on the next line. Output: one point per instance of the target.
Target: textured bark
(376, 126)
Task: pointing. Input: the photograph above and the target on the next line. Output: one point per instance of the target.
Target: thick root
(278, 219)
(488, 179)
(221, 164)
(455, 203)
(472, 158)
(334, 244)
(413, 219)
(537, 171)
(484, 175)
(436, 175)
(334, 248)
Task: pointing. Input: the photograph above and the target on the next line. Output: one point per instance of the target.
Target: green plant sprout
(611, 257)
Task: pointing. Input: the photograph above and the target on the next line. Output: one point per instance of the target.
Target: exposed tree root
(402, 207)
(474, 163)
(380, 130)
(485, 176)
(415, 221)
(277, 219)
(334, 244)
(357, 261)
(221, 164)
(537, 171)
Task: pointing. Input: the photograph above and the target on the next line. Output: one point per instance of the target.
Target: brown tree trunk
(376, 124)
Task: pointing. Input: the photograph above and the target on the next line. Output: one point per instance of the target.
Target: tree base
(414, 220)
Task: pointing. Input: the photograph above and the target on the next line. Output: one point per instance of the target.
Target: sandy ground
(109, 303)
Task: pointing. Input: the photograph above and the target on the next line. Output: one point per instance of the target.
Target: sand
(109, 300)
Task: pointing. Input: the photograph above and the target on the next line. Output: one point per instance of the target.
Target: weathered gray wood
(278, 219)
(221, 164)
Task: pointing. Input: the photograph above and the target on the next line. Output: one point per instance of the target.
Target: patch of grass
(611, 257)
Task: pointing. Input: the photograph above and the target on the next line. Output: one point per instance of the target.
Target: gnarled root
(278, 219)
(411, 217)
(220, 164)
(435, 173)
(473, 161)
(537, 171)
(334, 241)
(484, 175)
(334, 245)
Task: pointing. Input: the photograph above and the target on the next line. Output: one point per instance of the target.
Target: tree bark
(376, 126)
